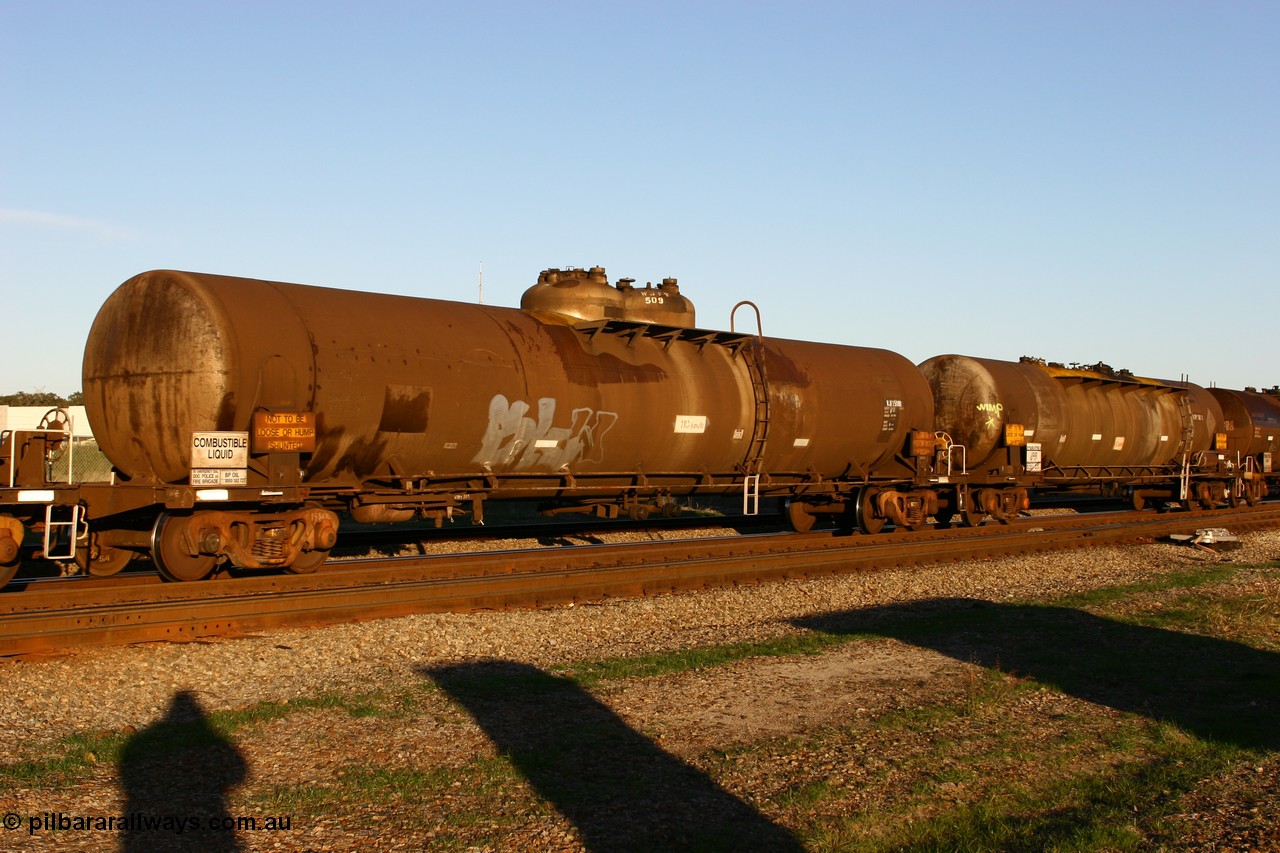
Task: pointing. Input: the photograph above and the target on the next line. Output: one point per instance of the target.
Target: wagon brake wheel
(172, 555)
(54, 421)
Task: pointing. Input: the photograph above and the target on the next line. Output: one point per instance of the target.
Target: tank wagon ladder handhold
(1188, 422)
(755, 364)
(1184, 479)
(950, 467)
(77, 532)
(1250, 486)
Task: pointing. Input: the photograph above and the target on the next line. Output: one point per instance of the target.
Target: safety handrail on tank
(70, 433)
(759, 324)
(7, 437)
(67, 435)
(1249, 467)
(952, 447)
(758, 375)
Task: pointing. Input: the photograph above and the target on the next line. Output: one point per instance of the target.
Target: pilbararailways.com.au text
(143, 822)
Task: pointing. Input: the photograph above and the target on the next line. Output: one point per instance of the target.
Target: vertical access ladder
(754, 361)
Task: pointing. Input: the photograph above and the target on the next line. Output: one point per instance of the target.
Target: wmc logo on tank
(219, 458)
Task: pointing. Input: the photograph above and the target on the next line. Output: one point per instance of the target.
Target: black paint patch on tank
(405, 408)
(363, 457)
(572, 354)
(327, 442)
(277, 384)
(780, 367)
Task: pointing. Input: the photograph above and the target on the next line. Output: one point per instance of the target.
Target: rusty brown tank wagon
(1028, 425)
(262, 411)
(247, 420)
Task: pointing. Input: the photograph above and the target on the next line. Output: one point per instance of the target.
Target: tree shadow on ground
(176, 774)
(1215, 689)
(621, 790)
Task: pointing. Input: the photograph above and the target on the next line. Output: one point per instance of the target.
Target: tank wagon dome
(662, 305)
(587, 295)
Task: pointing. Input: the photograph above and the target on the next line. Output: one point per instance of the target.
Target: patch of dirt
(778, 696)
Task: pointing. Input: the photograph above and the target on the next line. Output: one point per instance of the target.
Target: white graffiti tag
(515, 440)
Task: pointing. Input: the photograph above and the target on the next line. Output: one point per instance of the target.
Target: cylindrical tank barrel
(1117, 423)
(405, 387)
(1081, 418)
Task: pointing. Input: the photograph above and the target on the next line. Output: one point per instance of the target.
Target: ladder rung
(50, 526)
(751, 494)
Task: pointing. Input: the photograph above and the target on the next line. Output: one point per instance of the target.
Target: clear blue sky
(1080, 181)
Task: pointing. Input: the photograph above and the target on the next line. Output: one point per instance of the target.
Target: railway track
(44, 620)
(49, 574)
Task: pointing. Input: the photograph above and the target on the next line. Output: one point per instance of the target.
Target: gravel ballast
(110, 688)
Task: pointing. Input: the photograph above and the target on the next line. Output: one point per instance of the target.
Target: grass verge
(1106, 720)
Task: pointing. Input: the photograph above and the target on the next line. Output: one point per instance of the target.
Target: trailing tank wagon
(246, 420)
(1030, 425)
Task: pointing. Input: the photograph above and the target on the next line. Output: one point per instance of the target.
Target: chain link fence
(86, 462)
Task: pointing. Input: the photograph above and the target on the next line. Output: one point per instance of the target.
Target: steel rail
(506, 579)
